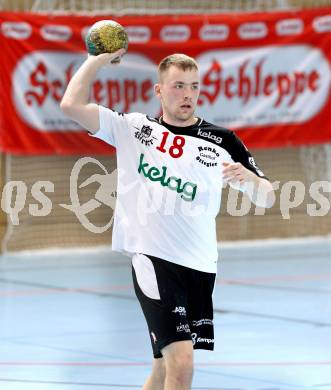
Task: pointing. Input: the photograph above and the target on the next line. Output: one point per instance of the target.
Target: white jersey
(169, 186)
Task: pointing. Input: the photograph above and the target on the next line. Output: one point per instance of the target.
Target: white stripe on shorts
(145, 274)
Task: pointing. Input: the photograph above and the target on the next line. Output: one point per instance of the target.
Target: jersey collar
(181, 129)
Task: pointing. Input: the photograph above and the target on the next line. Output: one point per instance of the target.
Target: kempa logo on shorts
(210, 136)
(196, 339)
(207, 156)
(180, 309)
(183, 328)
(144, 135)
(203, 321)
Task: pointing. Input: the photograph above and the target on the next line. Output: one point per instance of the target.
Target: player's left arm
(246, 173)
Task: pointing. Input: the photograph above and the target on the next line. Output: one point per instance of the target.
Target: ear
(157, 90)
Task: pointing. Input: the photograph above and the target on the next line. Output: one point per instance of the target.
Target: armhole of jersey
(104, 132)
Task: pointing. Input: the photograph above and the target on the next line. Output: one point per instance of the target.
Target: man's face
(178, 91)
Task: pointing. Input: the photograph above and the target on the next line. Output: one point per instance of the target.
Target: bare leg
(178, 358)
(157, 377)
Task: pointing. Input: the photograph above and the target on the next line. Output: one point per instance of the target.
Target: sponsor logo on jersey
(203, 321)
(196, 339)
(187, 190)
(207, 156)
(144, 135)
(183, 328)
(180, 309)
(210, 136)
(253, 164)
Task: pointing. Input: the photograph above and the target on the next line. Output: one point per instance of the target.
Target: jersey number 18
(176, 149)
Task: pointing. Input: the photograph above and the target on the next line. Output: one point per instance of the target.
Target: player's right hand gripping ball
(106, 36)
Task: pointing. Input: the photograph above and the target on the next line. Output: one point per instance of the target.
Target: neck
(178, 122)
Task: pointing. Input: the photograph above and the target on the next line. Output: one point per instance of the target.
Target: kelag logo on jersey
(144, 135)
(210, 136)
(187, 190)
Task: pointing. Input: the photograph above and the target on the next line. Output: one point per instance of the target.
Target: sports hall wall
(61, 228)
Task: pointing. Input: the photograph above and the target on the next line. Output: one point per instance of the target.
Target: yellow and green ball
(106, 36)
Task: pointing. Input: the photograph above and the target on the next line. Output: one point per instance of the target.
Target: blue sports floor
(69, 320)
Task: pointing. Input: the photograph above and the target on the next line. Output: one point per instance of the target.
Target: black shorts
(176, 301)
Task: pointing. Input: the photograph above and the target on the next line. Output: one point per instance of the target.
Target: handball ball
(106, 36)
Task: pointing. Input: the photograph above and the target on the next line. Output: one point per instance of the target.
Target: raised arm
(75, 104)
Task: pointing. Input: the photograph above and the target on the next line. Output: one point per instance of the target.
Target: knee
(180, 365)
(159, 370)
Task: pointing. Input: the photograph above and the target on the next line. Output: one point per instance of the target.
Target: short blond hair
(181, 61)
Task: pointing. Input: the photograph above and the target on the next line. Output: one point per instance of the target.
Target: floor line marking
(271, 287)
(254, 379)
(60, 289)
(272, 317)
(103, 384)
(120, 364)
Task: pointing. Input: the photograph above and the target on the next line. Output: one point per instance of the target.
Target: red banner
(264, 75)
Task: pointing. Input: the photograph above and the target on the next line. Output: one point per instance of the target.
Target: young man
(171, 172)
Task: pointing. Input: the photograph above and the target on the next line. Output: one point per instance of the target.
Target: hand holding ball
(106, 36)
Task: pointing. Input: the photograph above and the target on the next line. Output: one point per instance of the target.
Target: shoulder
(222, 136)
(138, 117)
(151, 119)
(219, 130)
(131, 115)
(225, 138)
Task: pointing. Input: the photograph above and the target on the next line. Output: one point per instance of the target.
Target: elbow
(66, 107)
(70, 110)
